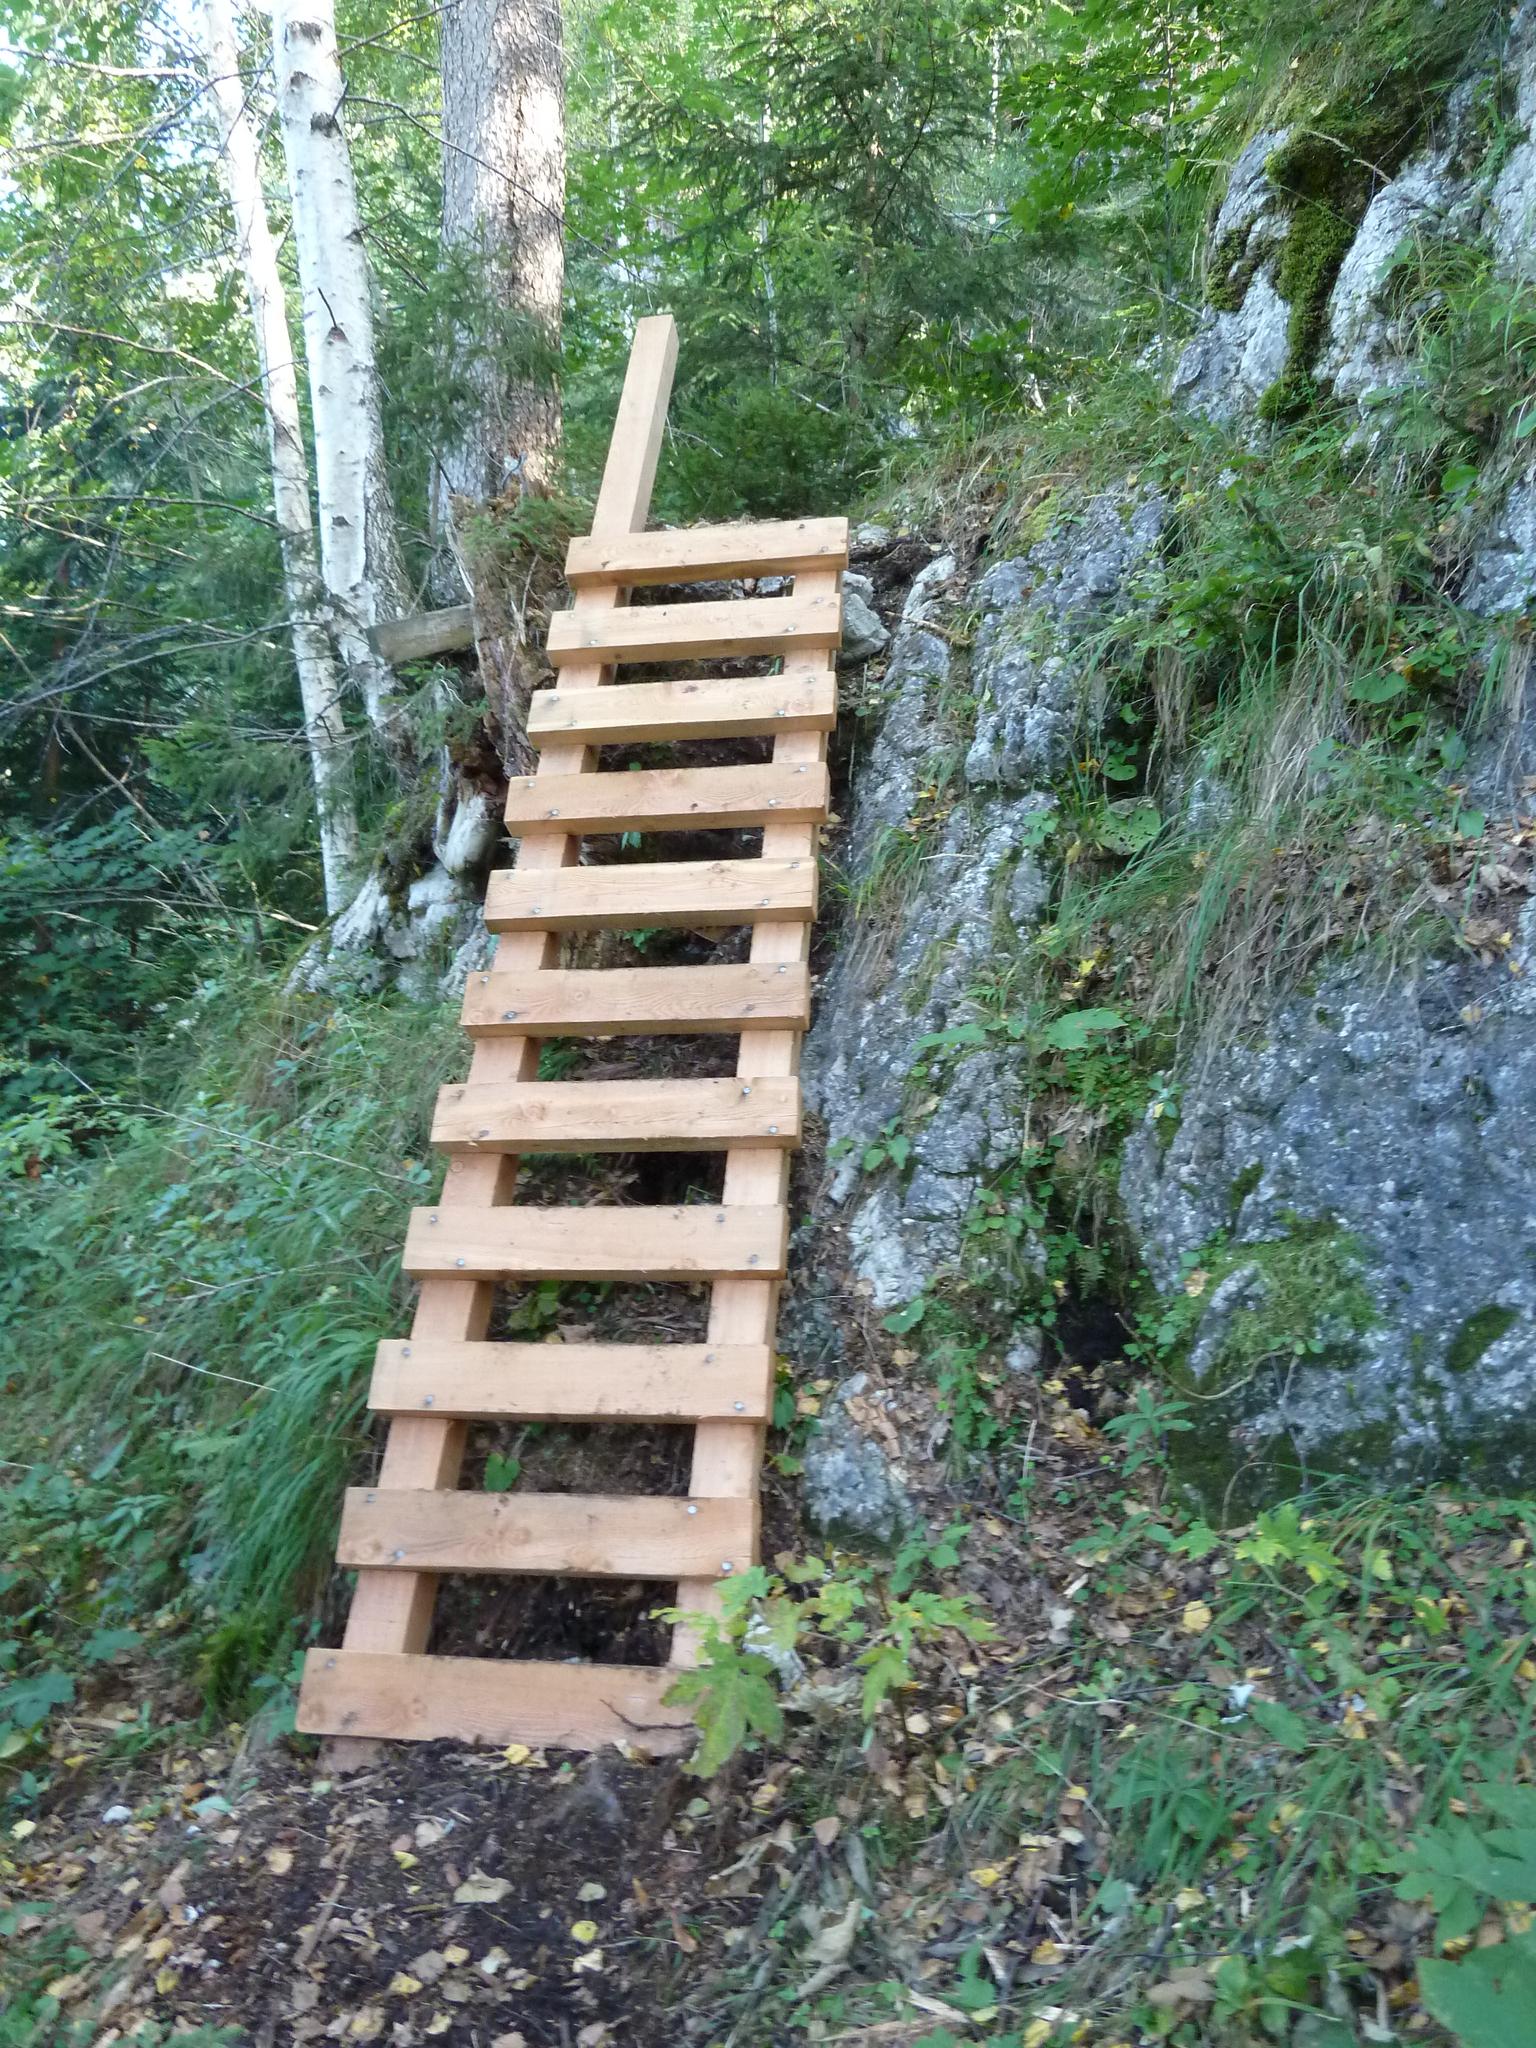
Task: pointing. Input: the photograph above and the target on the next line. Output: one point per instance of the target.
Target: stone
(864, 633)
(1242, 346)
(1502, 578)
(851, 1488)
(1360, 1183)
(1031, 660)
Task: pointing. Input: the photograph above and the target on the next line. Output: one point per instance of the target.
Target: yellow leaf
(584, 1930)
(22, 1829)
(592, 1960)
(279, 1861)
(404, 1985)
(517, 1752)
(1197, 1617)
(987, 1876)
(405, 1859)
(439, 2023)
(1037, 2033)
(1525, 1668)
(1188, 1899)
(166, 1980)
(1046, 1951)
(455, 1953)
(1195, 1284)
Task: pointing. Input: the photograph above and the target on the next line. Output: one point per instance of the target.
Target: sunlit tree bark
(320, 680)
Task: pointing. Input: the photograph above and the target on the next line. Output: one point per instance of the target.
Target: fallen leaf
(584, 1930)
(591, 1891)
(590, 1959)
(517, 1753)
(827, 1829)
(480, 1890)
(403, 1985)
(1197, 1618)
(279, 1861)
(454, 1953)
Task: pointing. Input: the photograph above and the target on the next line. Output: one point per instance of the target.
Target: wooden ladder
(415, 1523)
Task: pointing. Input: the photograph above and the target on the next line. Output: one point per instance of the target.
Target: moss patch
(1479, 1333)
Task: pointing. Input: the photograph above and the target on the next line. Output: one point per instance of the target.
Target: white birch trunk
(359, 554)
(319, 679)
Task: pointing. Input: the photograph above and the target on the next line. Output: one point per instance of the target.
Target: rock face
(931, 908)
(1357, 1195)
(1242, 345)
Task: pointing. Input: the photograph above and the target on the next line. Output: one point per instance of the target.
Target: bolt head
(693, 1507)
(405, 1350)
(740, 1407)
(460, 1262)
(751, 1261)
(726, 1565)
(426, 1401)
(508, 1015)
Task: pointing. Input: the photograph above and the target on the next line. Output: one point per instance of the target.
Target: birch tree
(320, 680)
(359, 552)
(504, 197)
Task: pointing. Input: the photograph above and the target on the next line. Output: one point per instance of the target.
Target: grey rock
(1025, 1353)
(1234, 357)
(1502, 578)
(864, 633)
(1512, 200)
(1031, 662)
(851, 1488)
(1368, 346)
(1396, 1122)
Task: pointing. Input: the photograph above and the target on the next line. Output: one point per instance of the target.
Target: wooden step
(706, 631)
(654, 799)
(703, 1115)
(591, 1536)
(702, 893)
(718, 707)
(481, 1699)
(574, 1382)
(693, 553)
(518, 1243)
(584, 1002)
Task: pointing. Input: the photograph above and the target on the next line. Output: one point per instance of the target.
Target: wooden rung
(585, 1002)
(704, 893)
(690, 554)
(518, 1243)
(574, 1382)
(592, 1536)
(712, 709)
(480, 1699)
(702, 1115)
(697, 632)
(652, 799)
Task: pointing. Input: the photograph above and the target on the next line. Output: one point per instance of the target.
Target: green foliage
(878, 1620)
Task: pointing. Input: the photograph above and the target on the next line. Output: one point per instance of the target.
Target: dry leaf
(480, 1890)
(1197, 1618)
(279, 1861)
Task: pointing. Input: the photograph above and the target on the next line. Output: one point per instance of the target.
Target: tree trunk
(504, 196)
(314, 658)
(359, 553)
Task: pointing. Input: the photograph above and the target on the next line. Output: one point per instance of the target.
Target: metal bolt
(459, 1262)
(740, 1407)
(431, 1219)
(398, 1555)
(709, 1358)
(782, 712)
(508, 1015)
(773, 803)
(484, 979)
(486, 1132)
(746, 1088)
(552, 812)
(762, 903)
(534, 909)
(726, 1565)
(751, 1262)
(405, 1350)
(693, 1507)
(372, 1497)
(783, 970)
(773, 1130)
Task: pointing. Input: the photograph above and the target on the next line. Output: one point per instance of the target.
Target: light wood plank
(693, 553)
(677, 709)
(586, 1002)
(392, 1611)
(705, 631)
(479, 1699)
(574, 1382)
(591, 1536)
(691, 1243)
(703, 893)
(654, 799)
(727, 1456)
(703, 1115)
